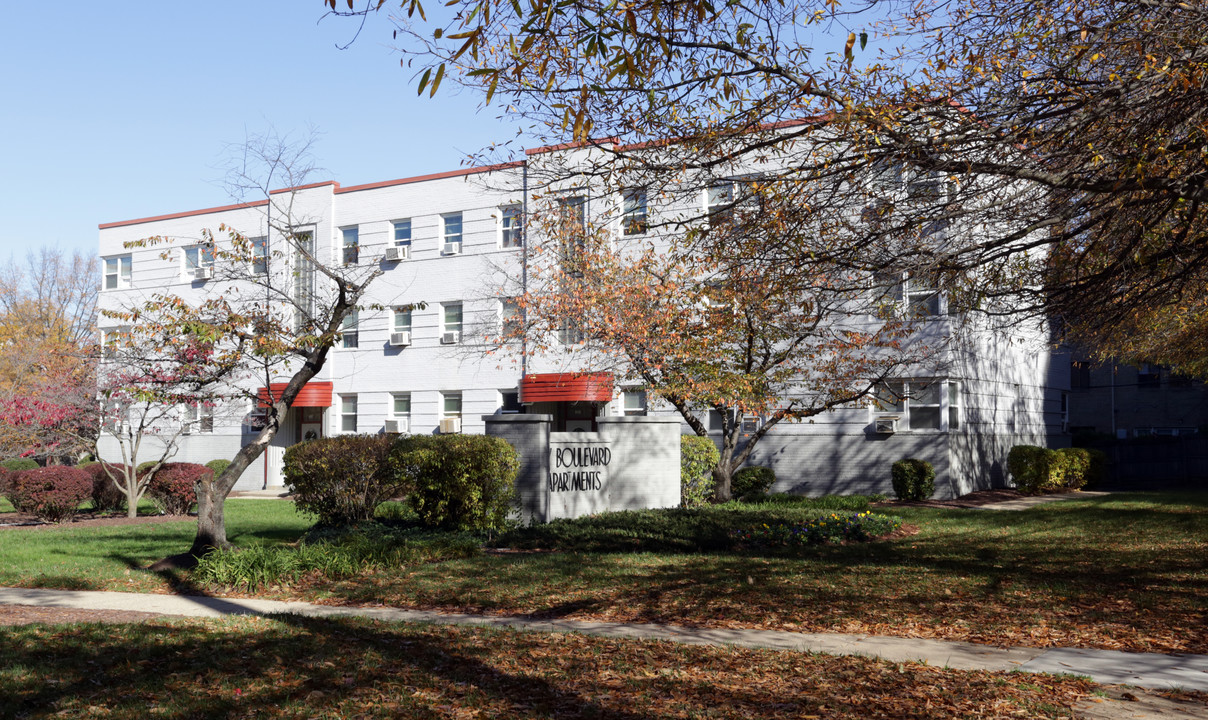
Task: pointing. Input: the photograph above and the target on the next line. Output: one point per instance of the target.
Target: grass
(295, 667)
(110, 558)
(1125, 571)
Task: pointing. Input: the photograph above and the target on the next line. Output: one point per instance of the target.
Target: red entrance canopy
(313, 394)
(566, 387)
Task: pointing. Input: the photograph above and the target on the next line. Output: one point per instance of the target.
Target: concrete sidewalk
(1150, 670)
(1032, 501)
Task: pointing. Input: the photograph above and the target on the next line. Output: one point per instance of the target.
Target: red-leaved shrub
(53, 493)
(174, 487)
(106, 496)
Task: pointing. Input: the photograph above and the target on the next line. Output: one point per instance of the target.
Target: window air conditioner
(397, 425)
(203, 273)
(451, 338)
(450, 425)
(886, 425)
(451, 248)
(402, 338)
(398, 252)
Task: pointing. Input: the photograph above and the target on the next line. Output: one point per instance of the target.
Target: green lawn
(1126, 571)
(110, 558)
(293, 667)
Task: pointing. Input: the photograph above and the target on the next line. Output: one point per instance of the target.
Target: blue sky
(119, 110)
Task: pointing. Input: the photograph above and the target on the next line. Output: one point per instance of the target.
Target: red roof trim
(566, 387)
(433, 176)
(312, 394)
(189, 213)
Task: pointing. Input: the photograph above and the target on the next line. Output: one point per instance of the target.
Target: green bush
(174, 488)
(218, 466)
(1077, 466)
(698, 457)
(913, 479)
(52, 493)
(852, 503)
(463, 482)
(1097, 472)
(17, 465)
(832, 528)
(342, 479)
(1036, 469)
(751, 483)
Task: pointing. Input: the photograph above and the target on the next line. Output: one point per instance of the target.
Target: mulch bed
(25, 521)
(972, 500)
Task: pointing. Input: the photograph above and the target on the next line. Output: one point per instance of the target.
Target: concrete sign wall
(630, 464)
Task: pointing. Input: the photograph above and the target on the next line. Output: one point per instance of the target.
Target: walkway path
(1188, 672)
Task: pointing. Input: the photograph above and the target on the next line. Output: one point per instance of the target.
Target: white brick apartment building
(456, 237)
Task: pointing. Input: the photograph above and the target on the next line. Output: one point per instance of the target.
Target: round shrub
(341, 479)
(1097, 472)
(53, 493)
(6, 486)
(17, 465)
(698, 457)
(1077, 466)
(173, 489)
(751, 482)
(1036, 469)
(106, 496)
(463, 482)
(913, 479)
(218, 466)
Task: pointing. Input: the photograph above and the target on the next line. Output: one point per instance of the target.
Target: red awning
(313, 394)
(566, 387)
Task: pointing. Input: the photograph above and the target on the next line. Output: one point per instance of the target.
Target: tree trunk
(211, 521)
(721, 480)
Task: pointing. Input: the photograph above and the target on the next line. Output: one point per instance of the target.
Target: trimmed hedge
(106, 496)
(174, 488)
(52, 493)
(1037, 470)
(218, 466)
(1097, 472)
(462, 482)
(698, 457)
(913, 479)
(342, 479)
(17, 465)
(751, 483)
(1077, 466)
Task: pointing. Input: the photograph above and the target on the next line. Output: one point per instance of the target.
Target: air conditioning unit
(453, 248)
(451, 338)
(450, 425)
(203, 273)
(398, 425)
(402, 338)
(398, 252)
(751, 424)
(886, 425)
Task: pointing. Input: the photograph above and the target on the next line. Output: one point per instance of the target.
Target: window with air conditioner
(199, 262)
(117, 272)
(400, 328)
(450, 325)
(400, 413)
(351, 245)
(511, 226)
(919, 404)
(451, 234)
(450, 412)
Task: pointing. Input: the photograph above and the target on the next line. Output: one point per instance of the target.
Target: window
(920, 404)
(511, 226)
(198, 418)
(402, 233)
(304, 278)
(450, 405)
(511, 320)
(348, 413)
(259, 256)
(1080, 374)
(633, 212)
(719, 200)
(117, 272)
(509, 402)
(1149, 376)
(115, 417)
(402, 321)
(352, 245)
(451, 317)
(922, 298)
(350, 333)
(198, 257)
(112, 340)
(572, 231)
(633, 401)
(400, 411)
(452, 229)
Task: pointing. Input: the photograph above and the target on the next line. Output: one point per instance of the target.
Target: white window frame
(638, 409)
(899, 295)
(719, 200)
(445, 399)
(196, 257)
(350, 245)
(503, 403)
(448, 237)
(348, 412)
(907, 392)
(511, 324)
(398, 228)
(511, 226)
(351, 331)
(120, 274)
(401, 320)
(198, 419)
(404, 417)
(445, 326)
(635, 212)
(259, 264)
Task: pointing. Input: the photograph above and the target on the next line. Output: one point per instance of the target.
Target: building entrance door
(310, 423)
